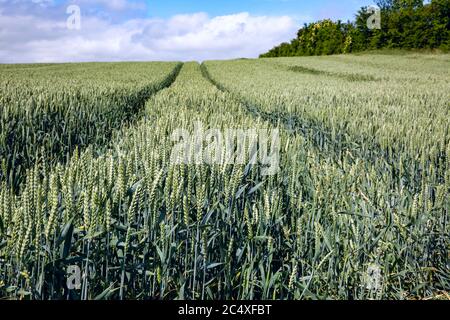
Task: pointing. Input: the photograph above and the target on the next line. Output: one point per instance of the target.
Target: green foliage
(406, 24)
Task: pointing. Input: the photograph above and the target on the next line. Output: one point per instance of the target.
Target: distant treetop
(404, 24)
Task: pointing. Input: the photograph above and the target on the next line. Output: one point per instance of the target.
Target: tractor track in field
(140, 107)
(322, 138)
(139, 114)
(135, 114)
(350, 77)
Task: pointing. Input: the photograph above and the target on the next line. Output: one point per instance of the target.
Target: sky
(143, 30)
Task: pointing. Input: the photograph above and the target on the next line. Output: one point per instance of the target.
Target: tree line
(405, 24)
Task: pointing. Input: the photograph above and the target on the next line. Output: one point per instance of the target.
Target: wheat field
(358, 208)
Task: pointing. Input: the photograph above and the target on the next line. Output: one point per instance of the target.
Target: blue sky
(317, 9)
(117, 30)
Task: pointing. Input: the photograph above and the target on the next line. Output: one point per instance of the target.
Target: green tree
(404, 24)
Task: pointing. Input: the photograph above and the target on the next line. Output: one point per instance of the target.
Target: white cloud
(114, 4)
(28, 38)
